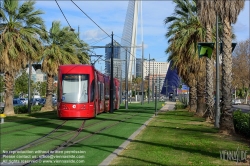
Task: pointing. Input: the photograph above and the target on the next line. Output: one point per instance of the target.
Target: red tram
(83, 92)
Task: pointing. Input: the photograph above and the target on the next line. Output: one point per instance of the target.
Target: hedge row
(180, 105)
(24, 109)
(242, 123)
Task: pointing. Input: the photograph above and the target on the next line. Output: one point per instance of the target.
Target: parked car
(17, 102)
(54, 101)
(24, 100)
(42, 101)
(34, 101)
(236, 101)
(1, 107)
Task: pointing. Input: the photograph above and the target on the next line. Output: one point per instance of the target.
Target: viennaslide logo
(238, 155)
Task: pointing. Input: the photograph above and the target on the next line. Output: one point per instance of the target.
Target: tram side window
(106, 92)
(101, 91)
(100, 88)
(102, 94)
(92, 91)
(58, 90)
(114, 91)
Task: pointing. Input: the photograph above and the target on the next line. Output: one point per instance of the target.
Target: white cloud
(241, 28)
(110, 16)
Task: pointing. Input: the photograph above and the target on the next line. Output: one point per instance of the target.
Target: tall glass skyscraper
(138, 67)
(117, 62)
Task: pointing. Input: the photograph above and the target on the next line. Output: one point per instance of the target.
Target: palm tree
(184, 33)
(207, 17)
(19, 42)
(63, 48)
(228, 12)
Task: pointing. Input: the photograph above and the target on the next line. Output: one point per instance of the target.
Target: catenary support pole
(149, 79)
(126, 80)
(29, 87)
(111, 77)
(217, 111)
(142, 75)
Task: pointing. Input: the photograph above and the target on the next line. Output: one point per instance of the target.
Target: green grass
(171, 138)
(97, 148)
(179, 138)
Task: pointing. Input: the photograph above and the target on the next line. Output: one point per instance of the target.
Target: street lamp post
(111, 78)
(217, 111)
(126, 85)
(148, 78)
(142, 86)
(29, 91)
(153, 84)
(155, 99)
(166, 84)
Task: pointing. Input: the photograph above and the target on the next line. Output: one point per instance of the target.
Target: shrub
(180, 105)
(36, 108)
(24, 109)
(21, 109)
(242, 123)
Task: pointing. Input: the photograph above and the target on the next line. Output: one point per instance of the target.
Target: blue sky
(110, 16)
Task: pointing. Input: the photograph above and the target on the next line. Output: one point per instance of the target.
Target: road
(244, 108)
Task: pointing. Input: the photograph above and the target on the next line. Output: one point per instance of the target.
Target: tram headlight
(64, 107)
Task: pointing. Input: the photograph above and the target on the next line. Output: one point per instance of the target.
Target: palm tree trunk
(209, 114)
(9, 91)
(226, 120)
(48, 105)
(192, 97)
(201, 105)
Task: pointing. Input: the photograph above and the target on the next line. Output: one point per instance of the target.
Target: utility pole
(117, 75)
(29, 91)
(153, 83)
(166, 88)
(120, 86)
(78, 32)
(149, 79)
(217, 111)
(142, 86)
(126, 85)
(111, 77)
(155, 99)
(159, 84)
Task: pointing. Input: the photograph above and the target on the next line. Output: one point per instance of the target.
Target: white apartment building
(155, 68)
(157, 72)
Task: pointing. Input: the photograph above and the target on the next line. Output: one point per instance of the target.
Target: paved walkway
(168, 106)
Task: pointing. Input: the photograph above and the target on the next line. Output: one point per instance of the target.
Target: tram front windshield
(75, 88)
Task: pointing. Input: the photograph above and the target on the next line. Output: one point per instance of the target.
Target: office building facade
(116, 59)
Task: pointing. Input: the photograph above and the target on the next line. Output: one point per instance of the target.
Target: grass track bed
(178, 138)
(98, 146)
(29, 126)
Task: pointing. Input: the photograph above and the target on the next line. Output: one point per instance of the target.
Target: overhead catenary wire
(68, 22)
(101, 28)
(96, 23)
(63, 14)
(98, 40)
(90, 18)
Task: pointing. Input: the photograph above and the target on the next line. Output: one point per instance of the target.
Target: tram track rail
(12, 131)
(29, 145)
(30, 121)
(71, 141)
(42, 140)
(25, 146)
(77, 132)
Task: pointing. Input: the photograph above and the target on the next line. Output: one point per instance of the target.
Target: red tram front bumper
(68, 110)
